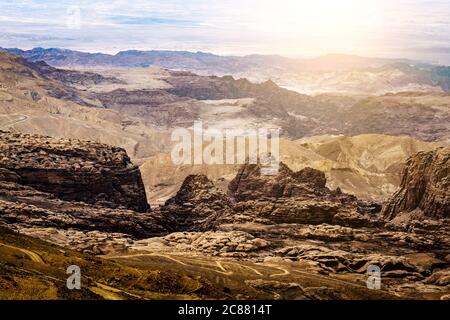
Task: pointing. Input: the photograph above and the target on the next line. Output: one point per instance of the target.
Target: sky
(414, 29)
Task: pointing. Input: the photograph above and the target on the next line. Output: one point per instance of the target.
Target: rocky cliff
(83, 171)
(249, 184)
(425, 186)
(79, 194)
(289, 197)
(197, 205)
(294, 223)
(294, 197)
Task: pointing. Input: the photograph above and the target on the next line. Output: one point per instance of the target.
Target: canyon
(86, 176)
(262, 236)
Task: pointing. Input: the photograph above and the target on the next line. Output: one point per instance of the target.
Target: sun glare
(339, 24)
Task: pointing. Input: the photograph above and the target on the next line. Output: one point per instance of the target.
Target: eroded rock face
(289, 197)
(293, 197)
(195, 207)
(76, 170)
(92, 242)
(196, 189)
(425, 186)
(36, 209)
(71, 187)
(249, 184)
(288, 210)
(23, 207)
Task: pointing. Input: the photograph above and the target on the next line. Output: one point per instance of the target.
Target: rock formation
(425, 187)
(292, 223)
(29, 208)
(68, 187)
(293, 197)
(264, 236)
(225, 244)
(76, 170)
(289, 197)
(195, 207)
(249, 184)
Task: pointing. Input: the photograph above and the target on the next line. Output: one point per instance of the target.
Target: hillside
(31, 269)
(138, 112)
(32, 102)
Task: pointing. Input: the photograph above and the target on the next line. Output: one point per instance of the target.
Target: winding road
(32, 255)
(220, 264)
(105, 291)
(21, 118)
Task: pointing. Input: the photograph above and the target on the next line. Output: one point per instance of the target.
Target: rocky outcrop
(288, 210)
(66, 188)
(293, 197)
(224, 244)
(28, 208)
(249, 184)
(92, 242)
(196, 206)
(343, 261)
(70, 169)
(425, 187)
(197, 189)
(289, 197)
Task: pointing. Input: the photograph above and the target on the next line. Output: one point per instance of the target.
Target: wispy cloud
(150, 21)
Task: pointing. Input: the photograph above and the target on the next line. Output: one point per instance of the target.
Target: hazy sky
(417, 29)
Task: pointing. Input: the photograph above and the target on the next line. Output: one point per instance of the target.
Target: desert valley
(87, 179)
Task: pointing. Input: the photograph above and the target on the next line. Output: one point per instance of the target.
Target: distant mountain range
(329, 73)
(195, 60)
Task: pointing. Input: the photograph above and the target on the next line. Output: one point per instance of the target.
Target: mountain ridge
(35, 54)
(328, 73)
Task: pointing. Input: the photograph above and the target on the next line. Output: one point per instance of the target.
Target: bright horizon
(411, 29)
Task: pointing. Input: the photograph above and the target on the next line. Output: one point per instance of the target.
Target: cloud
(294, 27)
(150, 21)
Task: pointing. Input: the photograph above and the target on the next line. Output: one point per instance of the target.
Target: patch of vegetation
(36, 270)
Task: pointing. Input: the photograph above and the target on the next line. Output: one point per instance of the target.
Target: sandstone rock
(93, 242)
(440, 278)
(293, 197)
(38, 189)
(41, 211)
(351, 218)
(425, 186)
(40, 162)
(195, 207)
(226, 244)
(348, 262)
(327, 233)
(249, 184)
(288, 210)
